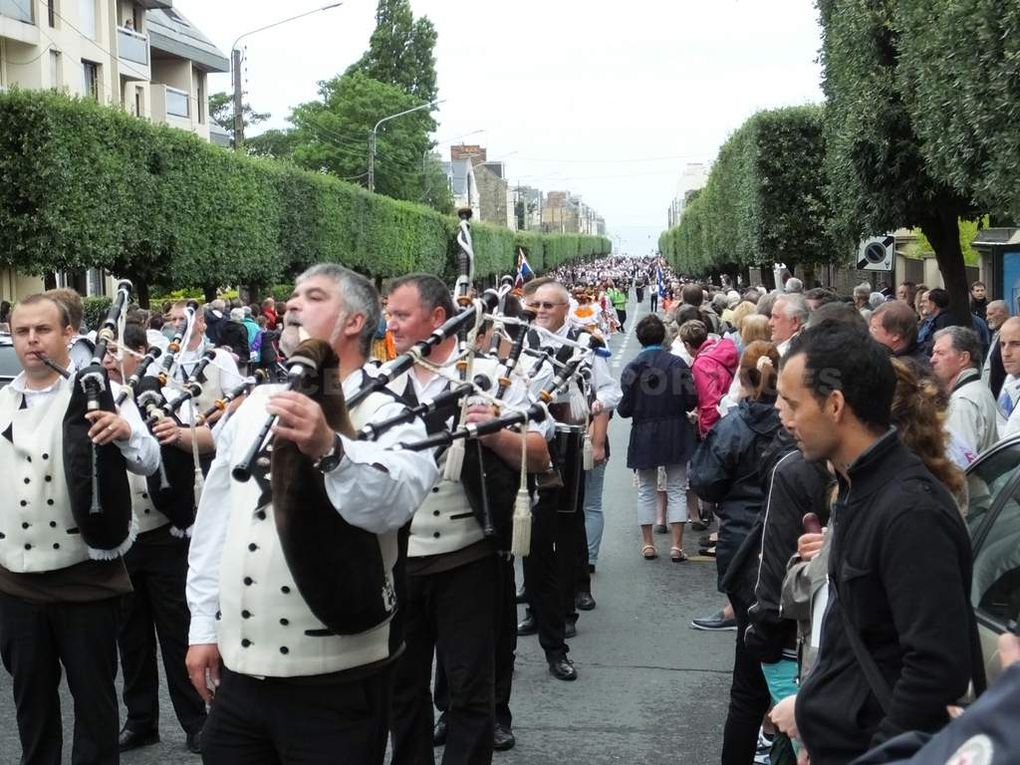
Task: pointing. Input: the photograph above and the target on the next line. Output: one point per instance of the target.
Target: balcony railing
(132, 46)
(19, 10)
(178, 103)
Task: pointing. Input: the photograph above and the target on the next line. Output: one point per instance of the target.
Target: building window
(90, 79)
(51, 13)
(87, 18)
(139, 111)
(55, 69)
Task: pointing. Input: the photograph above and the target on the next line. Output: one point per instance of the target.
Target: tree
(332, 136)
(764, 202)
(401, 51)
(963, 92)
(274, 144)
(221, 111)
(879, 177)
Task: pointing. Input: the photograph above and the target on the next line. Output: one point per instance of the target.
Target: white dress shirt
(141, 450)
(372, 488)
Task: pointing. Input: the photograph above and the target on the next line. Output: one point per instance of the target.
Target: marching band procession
(331, 564)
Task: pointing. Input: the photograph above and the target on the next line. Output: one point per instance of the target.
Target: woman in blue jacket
(658, 391)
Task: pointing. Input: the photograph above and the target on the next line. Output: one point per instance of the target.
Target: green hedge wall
(765, 200)
(84, 185)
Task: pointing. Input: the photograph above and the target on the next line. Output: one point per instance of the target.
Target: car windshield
(985, 480)
(9, 365)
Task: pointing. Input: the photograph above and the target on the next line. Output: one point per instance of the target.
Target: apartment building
(142, 55)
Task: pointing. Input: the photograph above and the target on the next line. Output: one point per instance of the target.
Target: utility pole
(371, 161)
(235, 57)
(238, 103)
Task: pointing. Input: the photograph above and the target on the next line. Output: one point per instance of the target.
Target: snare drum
(570, 462)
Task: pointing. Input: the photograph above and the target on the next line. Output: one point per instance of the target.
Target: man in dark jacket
(938, 318)
(898, 637)
(894, 325)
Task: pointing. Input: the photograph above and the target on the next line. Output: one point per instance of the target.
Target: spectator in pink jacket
(715, 363)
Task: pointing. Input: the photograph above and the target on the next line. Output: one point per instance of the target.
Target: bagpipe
(96, 475)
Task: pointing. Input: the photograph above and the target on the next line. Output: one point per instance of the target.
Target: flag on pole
(524, 272)
(661, 281)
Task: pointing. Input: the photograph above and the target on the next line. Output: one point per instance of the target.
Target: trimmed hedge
(765, 200)
(84, 185)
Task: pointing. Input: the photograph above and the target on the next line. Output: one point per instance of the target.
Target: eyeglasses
(546, 306)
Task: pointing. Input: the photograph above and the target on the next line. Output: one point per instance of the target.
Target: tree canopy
(765, 199)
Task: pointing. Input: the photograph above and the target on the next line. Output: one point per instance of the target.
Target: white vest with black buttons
(37, 530)
(146, 514)
(445, 522)
(265, 628)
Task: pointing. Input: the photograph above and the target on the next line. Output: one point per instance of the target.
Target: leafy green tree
(273, 144)
(879, 176)
(963, 92)
(401, 51)
(764, 202)
(332, 136)
(221, 111)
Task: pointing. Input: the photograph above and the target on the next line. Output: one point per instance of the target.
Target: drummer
(556, 572)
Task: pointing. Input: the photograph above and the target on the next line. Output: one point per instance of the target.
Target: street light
(371, 138)
(235, 58)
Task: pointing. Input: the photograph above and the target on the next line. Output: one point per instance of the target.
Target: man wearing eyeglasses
(556, 574)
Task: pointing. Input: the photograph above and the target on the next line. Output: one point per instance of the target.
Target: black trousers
(621, 315)
(653, 301)
(640, 293)
(452, 615)
(278, 722)
(543, 592)
(157, 607)
(749, 697)
(572, 556)
(506, 648)
(35, 640)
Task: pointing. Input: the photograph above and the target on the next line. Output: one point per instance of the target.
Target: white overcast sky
(606, 99)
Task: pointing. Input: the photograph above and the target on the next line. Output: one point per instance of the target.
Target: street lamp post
(235, 55)
(375, 130)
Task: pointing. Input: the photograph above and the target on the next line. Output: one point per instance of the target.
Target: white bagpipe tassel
(520, 543)
(579, 409)
(199, 478)
(454, 461)
(586, 451)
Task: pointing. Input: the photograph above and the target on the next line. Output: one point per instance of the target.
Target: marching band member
(452, 567)
(222, 374)
(557, 570)
(57, 606)
(283, 685)
(158, 565)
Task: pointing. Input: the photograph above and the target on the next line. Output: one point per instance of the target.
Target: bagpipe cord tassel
(455, 454)
(199, 479)
(520, 543)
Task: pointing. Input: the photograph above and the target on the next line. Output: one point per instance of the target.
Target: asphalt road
(650, 689)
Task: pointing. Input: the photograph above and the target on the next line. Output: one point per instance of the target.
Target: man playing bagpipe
(452, 566)
(64, 455)
(292, 582)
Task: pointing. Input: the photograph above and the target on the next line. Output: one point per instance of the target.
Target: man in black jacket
(898, 637)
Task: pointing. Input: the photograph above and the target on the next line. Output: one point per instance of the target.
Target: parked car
(10, 367)
(993, 519)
